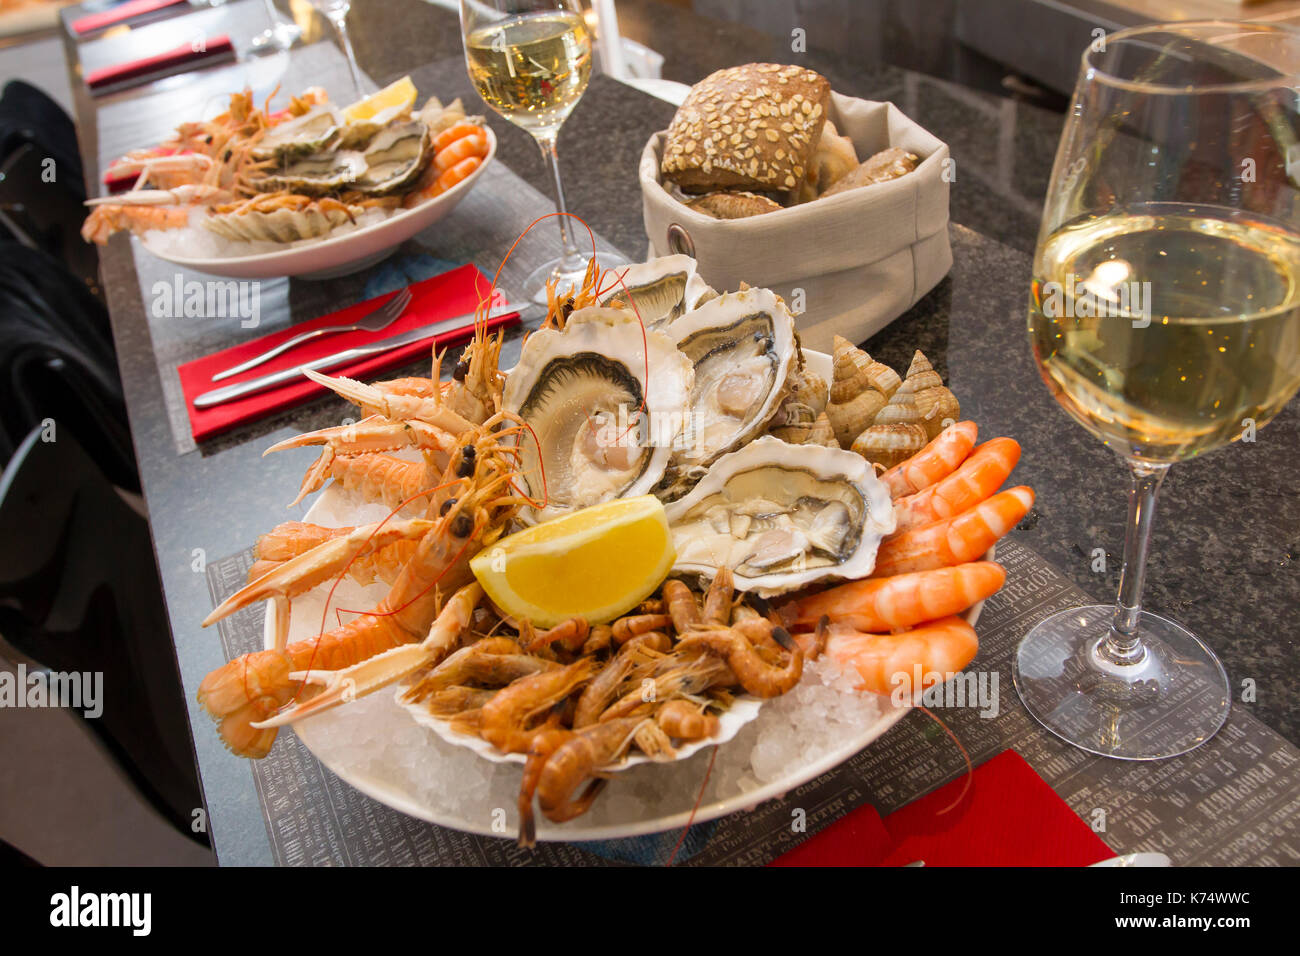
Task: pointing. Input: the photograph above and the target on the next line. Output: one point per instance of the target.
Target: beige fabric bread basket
(861, 258)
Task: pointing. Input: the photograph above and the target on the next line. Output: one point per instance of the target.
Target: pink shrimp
(964, 537)
(883, 662)
(904, 600)
(976, 479)
(934, 461)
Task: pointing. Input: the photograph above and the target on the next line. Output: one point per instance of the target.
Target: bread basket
(852, 262)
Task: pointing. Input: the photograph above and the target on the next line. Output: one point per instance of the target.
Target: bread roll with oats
(753, 128)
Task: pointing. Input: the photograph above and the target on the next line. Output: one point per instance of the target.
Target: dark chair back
(57, 363)
(28, 115)
(41, 182)
(79, 592)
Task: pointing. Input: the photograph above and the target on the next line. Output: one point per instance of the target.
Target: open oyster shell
(316, 175)
(742, 347)
(663, 289)
(601, 427)
(395, 158)
(355, 134)
(315, 131)
(782, 516)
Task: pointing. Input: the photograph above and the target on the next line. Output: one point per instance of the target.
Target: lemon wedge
(596, 563)
(400, 95)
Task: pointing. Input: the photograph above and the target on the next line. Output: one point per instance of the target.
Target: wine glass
(1165, 318)
(530, 60)
(336, 11)
(281, 35)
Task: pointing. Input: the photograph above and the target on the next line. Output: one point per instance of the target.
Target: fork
(374, 321)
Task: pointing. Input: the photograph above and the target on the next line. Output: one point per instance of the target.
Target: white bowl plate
(338, 255)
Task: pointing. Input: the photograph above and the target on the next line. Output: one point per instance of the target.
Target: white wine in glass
(1164, 316)
(530, 60)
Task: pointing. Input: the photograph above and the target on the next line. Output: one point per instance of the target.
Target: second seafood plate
(310, 189)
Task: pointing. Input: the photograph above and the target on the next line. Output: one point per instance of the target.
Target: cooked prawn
(974, 480)
(964, 537)
(902, 600)
(883, 661)
(937, 459)
(686, 721)
(576, 760)
(506, 716)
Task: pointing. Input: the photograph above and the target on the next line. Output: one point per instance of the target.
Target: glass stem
(1123, 645)
(340, 22)
(570, 259)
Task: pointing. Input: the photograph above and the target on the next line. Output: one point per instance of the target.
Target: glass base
(1170, 701)
(535, 284)
(278, 38)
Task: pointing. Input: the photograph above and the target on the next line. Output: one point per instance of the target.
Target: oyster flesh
(782, 516)
(663, 289)
(395, 158)
(313, 132)
(316, 175)
(742, 347)
(600, 427)
(357, 133)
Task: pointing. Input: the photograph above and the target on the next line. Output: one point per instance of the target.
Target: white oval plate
(338, 255)
(374, 745)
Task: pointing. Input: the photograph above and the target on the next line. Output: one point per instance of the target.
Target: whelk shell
(901, 409)
(935, 402)
(887, 445)
(854, 401)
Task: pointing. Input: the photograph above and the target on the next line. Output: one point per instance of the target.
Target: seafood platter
(667, 566)
(312, 189)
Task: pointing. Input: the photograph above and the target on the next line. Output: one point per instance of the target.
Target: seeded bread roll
(752, 127)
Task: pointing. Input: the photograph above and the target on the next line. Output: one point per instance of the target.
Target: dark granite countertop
(1229, 526)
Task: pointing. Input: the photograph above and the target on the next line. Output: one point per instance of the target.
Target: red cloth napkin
(857, 839)
(440, 297)
(151, 67)
(131, 10)
(1010, 817)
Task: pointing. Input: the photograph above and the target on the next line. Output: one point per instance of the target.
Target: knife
(260, 384)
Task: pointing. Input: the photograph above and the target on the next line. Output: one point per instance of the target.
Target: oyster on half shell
(663, 289)
(600, 427)
(313, 132)
(316, 175)
(782, 516)
(395, 158)
(742, 347)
